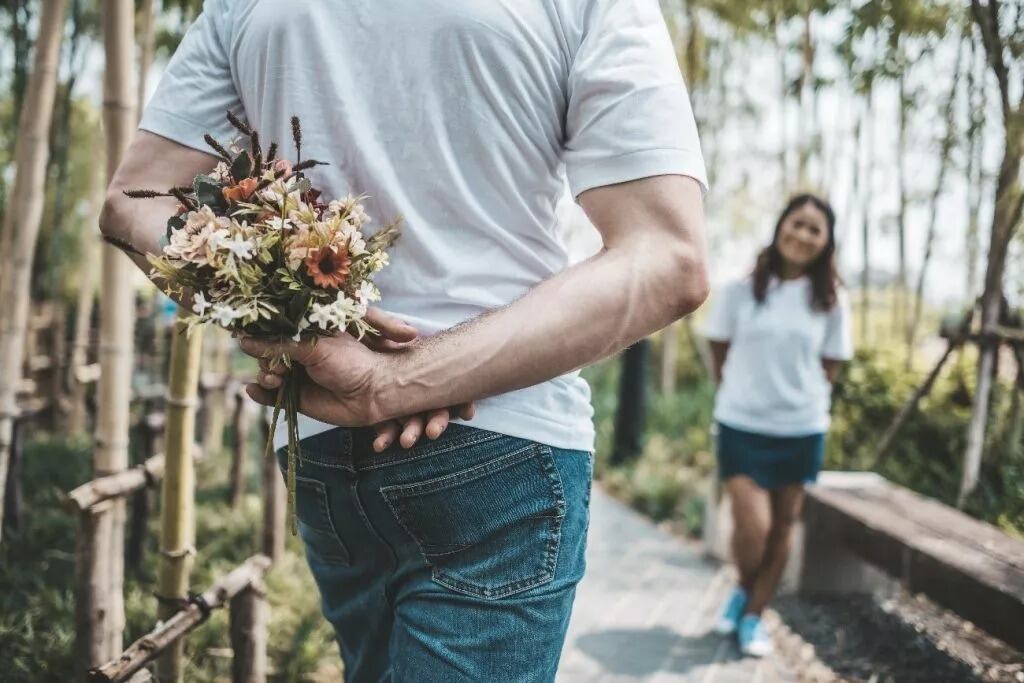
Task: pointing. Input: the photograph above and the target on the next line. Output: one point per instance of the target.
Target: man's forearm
(579, 316)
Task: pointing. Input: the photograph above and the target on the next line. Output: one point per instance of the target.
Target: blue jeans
(455, 560)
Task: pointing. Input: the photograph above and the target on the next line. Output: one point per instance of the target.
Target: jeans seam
(472, 441)
(477, 471)
(321, 492)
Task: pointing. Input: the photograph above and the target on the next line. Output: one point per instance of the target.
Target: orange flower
(243, 190)
(327, 267)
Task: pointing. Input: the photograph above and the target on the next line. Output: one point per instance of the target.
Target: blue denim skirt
(771, 461)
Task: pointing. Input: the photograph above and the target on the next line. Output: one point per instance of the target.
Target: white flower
(303, 324)
(368, 292)
(221, 171)
(323, 316)
(278, 223)
(201, 304)
(224, 315)
(239, 246)
(377, 261)
(358, 216)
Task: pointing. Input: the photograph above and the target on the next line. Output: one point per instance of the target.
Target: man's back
(462, 116)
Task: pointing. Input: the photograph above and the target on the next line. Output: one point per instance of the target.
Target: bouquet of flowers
(256, 250)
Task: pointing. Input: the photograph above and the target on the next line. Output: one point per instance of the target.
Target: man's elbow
(692, 280)
(110, 226)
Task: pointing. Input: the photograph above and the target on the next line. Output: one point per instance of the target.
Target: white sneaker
(754, 640)
(729, 619)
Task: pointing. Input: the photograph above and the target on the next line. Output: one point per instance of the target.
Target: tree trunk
(945, 154)
(899, 307)
(866, 198)
(117, 308)
(21, 220)
(177, 524)
(1009, 202)
(974, 176)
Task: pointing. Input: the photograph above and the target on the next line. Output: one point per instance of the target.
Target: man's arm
(151, 162)
(649, 273)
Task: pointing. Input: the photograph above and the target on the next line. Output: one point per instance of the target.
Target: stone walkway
(645, 609)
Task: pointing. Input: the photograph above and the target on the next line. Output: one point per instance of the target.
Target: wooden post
(240, 420)
(177, 523)
(92, 602)
(12, 497)
(274, 497)
(249, 616)
(170, 631)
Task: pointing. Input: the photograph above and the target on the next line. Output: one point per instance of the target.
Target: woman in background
(778, 338)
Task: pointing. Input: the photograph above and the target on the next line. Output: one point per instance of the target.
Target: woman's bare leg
(786, 504)
(751, 514)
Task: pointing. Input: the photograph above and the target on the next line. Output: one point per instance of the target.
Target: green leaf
(241, 167)
(174, 223)
(208, 191)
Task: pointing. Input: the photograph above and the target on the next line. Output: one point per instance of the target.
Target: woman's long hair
(824, 277)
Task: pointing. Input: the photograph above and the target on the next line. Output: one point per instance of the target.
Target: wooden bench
(858, 523)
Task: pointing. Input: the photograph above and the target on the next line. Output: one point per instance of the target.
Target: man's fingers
(437, 422)
(412, 431)
(389, 326)
(261, 395)
(387, 432)
(466, 411)
(269, 380)
(278, 368)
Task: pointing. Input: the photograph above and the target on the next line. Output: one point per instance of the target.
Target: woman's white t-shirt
(467, 118)
(773, 381)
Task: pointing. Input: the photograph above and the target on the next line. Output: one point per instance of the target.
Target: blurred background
(905, 114)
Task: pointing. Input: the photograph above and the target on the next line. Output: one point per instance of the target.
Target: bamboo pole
(177, 523)
(22, 217)
(274, 497)
(88, 271)
(117, 308)
(215, 379)
(192, 614)
(250, 616)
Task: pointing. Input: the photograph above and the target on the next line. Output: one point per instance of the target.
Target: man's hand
(395, 335)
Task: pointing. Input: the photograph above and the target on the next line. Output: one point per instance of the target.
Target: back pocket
(491, 530)
(316, 523)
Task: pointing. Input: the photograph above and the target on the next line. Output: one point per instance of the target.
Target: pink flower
(283, 166)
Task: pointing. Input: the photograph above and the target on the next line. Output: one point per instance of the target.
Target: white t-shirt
(466, 118)
(773, 381)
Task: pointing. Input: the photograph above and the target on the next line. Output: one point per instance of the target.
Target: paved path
(645, 608)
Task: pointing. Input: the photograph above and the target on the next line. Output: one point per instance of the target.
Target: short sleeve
(838, 343)
(197, 89)
(720, 324)
(629, 114)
